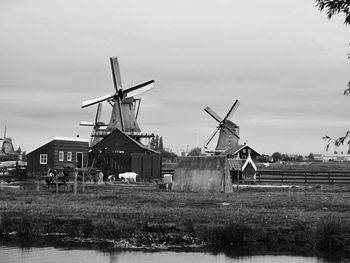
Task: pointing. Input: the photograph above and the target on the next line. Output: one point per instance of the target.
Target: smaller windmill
(229, 131)
(7, 145)
(97, 133)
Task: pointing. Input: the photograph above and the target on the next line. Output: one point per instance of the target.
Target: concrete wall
(202, 174)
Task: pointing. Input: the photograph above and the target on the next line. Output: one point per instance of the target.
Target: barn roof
(57, 138)
(235, 149)
(127, 136)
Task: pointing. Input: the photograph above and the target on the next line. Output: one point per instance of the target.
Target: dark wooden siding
(33, 160)
(118, 153)
(52, 150)
(119, 142)
(69, 146)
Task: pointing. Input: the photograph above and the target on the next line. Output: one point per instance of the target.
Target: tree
(152, 142)
(161, 147)
(311, 156)
(195, 152)
(156, 144)
(299, 158)
(276, 156)
(335, 7)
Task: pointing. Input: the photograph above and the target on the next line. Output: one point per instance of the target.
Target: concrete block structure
(202, 174)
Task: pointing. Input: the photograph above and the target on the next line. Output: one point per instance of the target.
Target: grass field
(145, 215)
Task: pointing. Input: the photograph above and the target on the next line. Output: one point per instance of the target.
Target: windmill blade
(213, 114)
(101, 124)
(227, 127)
(121, 113)
(87, 103)
(86, 123)
(138, 89)
(98, 113)
(232, 110)
(117, 80)
(211, 137)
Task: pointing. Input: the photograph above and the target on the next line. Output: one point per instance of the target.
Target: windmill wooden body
(228, 131)
(125, 108)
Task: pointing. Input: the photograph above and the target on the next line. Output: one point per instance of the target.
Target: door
(79, 160)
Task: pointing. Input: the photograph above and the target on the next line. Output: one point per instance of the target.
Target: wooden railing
(306, 177)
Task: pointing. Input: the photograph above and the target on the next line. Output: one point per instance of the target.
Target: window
(69, 156)
(61, 156)
(43, 158)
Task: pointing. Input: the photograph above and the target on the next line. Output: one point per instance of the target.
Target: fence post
(75, 182)
(38, 185)
(83, 181)
(305, 177)
(238, 180)
(282, 177)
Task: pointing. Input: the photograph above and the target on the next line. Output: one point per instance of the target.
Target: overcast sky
(284, 60)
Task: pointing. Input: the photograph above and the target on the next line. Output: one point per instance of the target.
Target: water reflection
(12, 251)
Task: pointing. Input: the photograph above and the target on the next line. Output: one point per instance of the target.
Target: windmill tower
(124, 106)
(7, 145)
(228, 131)
(96, 126)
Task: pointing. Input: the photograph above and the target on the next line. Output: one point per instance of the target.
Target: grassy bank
(318, 218)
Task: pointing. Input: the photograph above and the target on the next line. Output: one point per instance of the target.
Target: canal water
(14, 253)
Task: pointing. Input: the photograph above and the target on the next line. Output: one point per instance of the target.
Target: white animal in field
(127, 176)
(266, 164)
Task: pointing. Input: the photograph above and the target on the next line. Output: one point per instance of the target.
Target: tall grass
(23, 224)
(233, 234)
(333, 235)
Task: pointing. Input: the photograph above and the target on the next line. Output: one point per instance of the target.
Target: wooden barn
(119, 153)
(56, 154)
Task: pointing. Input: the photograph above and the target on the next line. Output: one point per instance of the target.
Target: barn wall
(118, 153)
(202, 174)
(117, 141)
(147, 166)
(52, 148)
(34, 168)
(69, 146)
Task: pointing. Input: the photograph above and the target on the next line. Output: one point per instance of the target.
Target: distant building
(318, 157)
(57, 153)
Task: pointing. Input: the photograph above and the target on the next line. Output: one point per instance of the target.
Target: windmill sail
(228, 131)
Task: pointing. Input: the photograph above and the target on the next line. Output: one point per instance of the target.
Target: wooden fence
(305, 177)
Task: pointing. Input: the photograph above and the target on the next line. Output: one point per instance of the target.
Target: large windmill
(124, 106)
(229, 131)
